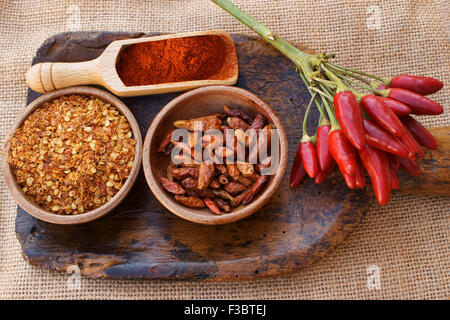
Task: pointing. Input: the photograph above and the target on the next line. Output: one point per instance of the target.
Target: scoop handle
(48, 76)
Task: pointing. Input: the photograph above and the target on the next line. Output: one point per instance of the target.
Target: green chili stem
(361, 73)
(331, 115)
(380, 92)
(348, 73)
(305, 118)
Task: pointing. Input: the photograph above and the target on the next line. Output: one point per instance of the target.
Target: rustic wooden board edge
(110, 267)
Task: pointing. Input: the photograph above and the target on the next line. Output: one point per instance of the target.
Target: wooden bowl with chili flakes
(72, 155)
(200, 103)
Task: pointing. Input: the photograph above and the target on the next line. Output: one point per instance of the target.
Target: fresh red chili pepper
(376, 163)
(382, 114)
(350, 118)
(323, 152)
(411, 143)
(298, 172)
(309, 158)
(360, 178)
(350, 181)
(399, 108)
(417, 103)
(382, 86)
(343, 152)
(322, 175)
(379, 138)
(395, 181)
(409, 166)
(421, 85)
(420, 133)
(393, 161)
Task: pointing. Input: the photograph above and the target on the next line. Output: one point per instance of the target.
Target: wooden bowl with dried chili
(72, 155)
(224, 171)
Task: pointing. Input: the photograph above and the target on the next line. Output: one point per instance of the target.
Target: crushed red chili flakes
(73, 154)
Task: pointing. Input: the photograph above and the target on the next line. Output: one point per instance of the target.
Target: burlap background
(407, 240)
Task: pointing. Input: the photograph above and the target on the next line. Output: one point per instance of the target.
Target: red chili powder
(172, 60)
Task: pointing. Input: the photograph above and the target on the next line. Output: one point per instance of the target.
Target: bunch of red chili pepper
(367, 123)
(371, 131)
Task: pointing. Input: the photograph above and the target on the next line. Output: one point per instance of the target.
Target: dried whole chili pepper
(221, 168)
(399, 108)
(238, 113)
(237, 123)
(324, 156)
(223, 179)
(417, 103)
(233, 171)
(382, 114)
(171, 186)
(376, 163)
(208, 122)
(377, 137)
(235, 188)
(409, 166)
(192, 202)
(212, 206)
(298, 172)
(395, 181)
(165, 142)
(309, 158)
(420, 133)
(184, 172)
(222, 204)
(350, 118)
(239, 198)
(343, 152)
(205, 174)
(258, 123)
(223, 194)
(245, 168)
(189, 183)
(244, 180)
(215, 184)
(323, 175)
(421, 85)
(255, 189)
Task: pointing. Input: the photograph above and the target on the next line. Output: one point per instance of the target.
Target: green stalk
(299, 58)
(384, 80)
(305, 136)
(348, 73)
(334, 123)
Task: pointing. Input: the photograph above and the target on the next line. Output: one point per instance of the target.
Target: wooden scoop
(48, 76)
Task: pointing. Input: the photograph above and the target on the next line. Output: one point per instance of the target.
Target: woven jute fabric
(407, 240)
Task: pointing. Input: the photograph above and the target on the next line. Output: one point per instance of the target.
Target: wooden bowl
(197, 103)
(38, 212)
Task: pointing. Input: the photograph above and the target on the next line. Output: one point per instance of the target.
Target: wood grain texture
(435, 178)
(140, 239)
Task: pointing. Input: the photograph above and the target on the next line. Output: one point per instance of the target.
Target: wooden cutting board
(142, 240)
